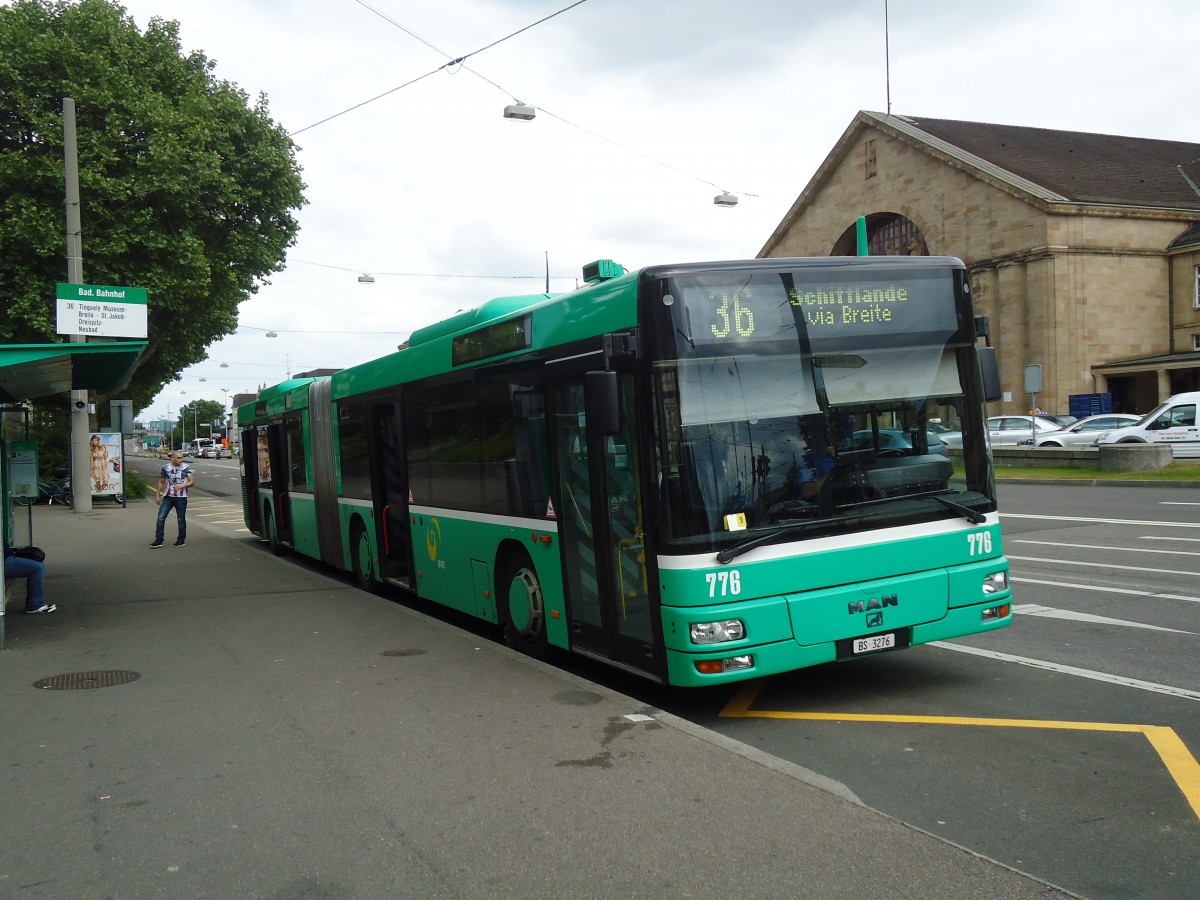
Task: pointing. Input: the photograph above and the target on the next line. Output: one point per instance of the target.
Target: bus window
(295, 453)
(352, 449)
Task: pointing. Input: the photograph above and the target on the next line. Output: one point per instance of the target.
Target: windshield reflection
(777, 429)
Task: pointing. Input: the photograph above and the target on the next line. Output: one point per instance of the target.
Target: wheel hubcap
(525, 604)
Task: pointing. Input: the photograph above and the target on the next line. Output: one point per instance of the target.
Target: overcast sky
(431, 184)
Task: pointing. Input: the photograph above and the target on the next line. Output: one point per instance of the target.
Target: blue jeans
(16, 567)
(164, 508)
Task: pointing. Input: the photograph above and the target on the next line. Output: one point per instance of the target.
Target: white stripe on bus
(788, 549)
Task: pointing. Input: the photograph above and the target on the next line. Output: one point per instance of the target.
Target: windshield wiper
(731, 553)
(974, 516)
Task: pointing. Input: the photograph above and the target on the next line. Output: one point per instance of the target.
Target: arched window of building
(888, 234)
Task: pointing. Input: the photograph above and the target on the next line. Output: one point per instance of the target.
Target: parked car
(899, 441)
(1174, 423)
(1085, 432)
(1060, 421)
(951, 439)
(1008, 431)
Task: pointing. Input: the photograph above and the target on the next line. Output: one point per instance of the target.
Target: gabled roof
(1190, 236)
(1082, 167)
(1042, 165)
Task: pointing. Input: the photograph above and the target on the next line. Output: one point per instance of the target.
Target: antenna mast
(887, 58)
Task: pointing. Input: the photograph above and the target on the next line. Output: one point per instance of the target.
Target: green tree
(203, 416)
(187, 189)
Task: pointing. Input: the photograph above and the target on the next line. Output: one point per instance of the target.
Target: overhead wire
(453, 62)
(539, 276)
(460, 61)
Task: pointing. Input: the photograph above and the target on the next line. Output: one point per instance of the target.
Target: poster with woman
(264, 456)
(106, 460)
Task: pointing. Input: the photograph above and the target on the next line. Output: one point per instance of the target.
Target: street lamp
(519, 110)
(182, 426)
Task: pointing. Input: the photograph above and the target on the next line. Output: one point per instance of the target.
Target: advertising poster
(105, 458)
(22, 469)
(264, 456)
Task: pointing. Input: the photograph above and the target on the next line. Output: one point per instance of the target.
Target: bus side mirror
(601, 398)
(991, 373)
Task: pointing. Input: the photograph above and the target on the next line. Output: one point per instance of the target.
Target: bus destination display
(761, 310)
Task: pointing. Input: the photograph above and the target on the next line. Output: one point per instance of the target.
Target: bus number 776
(980, 542)
(730, 583)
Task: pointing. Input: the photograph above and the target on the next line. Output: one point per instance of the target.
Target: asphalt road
(1065, 746)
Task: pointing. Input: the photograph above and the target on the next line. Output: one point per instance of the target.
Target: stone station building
(1083, 249)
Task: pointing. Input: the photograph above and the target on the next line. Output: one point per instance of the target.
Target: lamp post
(182, 425)
(228, 419)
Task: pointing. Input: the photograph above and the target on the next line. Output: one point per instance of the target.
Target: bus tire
(520, 606)
(362, 560)
(272, 533)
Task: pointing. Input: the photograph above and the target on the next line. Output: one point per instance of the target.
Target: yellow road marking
(1175, 755)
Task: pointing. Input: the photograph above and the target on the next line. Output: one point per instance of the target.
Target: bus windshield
(799, 400)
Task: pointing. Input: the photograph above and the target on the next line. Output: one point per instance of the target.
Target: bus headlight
(718, 632)
(995, 582)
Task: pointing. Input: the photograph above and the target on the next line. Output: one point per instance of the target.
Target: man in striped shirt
(173, 483)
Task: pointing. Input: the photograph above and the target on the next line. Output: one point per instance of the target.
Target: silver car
(1084, 432)
(1009, 431)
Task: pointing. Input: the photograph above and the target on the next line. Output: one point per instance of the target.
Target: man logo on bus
(857, 606)
(433, 537)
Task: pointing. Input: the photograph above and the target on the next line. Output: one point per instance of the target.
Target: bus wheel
(272, 533)
(364, 564)
(520, 607)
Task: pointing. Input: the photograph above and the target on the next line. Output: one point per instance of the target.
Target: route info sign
(98, 310)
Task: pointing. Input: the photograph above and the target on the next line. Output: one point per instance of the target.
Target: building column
(1164, 385)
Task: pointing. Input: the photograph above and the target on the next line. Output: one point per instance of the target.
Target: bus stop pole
(81, 485)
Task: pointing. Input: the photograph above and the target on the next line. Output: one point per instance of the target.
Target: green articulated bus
(699, 473)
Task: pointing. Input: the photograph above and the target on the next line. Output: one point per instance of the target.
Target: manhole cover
(78, 681)
(401, 652)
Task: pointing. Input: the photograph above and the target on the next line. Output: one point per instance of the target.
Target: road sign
(99, 310)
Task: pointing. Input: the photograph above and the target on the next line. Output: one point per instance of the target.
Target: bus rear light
(992, 613)
(717, 632)
(729, 664)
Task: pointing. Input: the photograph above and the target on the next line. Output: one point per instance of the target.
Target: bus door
(251, 504)
(389, 479)
(601, 519)
(273, 474)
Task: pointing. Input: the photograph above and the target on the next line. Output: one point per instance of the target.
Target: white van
(1174, 423)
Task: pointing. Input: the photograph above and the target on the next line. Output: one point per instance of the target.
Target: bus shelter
(31, 371)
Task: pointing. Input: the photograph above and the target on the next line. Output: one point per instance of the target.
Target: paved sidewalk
(290, 736)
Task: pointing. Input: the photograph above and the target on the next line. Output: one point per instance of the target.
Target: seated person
(34, 572)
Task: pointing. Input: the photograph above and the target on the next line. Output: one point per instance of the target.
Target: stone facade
(1072, 286)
